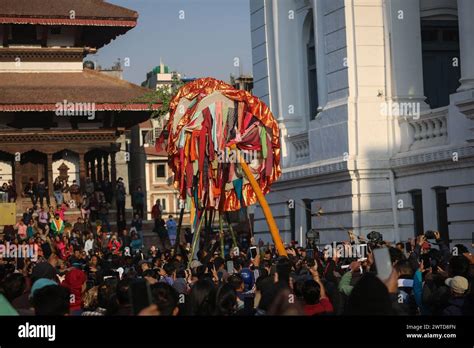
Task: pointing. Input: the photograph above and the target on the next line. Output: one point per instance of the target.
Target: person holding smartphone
(316, 301)
(346, 284)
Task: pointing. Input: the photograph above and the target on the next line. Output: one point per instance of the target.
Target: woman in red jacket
(75, 281)
(114, 245)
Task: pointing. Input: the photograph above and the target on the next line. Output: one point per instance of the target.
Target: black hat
(43, 270)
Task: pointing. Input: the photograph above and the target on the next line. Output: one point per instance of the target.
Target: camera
(430, 235)
(375, 239)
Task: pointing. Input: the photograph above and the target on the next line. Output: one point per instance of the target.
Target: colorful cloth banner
(207, 116)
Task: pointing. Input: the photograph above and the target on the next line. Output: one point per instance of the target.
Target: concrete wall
(458, 179)
(359, 162)
(331, 192)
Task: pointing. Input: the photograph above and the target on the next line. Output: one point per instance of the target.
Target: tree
(163, 95)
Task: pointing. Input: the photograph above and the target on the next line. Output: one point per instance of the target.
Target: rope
(339, 226)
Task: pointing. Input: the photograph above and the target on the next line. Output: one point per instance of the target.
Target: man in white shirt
(89, 244)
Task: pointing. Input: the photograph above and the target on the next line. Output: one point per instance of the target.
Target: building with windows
(162, 75)
(243, 82)
(149, 167)
(159, 76)
(375, 101)
(58, 118)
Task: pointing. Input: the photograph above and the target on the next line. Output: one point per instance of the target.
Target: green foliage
(163, 95)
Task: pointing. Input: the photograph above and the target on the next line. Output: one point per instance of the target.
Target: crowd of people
(8, 191)
(94, 199)
(87, 267)
(88, 271)
(49, 233)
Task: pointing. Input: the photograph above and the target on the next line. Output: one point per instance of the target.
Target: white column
(121, 165)
(466, 43)
(320, 52)
(407, 63)
(286, 59)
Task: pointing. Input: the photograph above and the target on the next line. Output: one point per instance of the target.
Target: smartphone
(383, 263)
(408, 247)
(253, 252)
(140, 295)
(310, 253)
(230, 267)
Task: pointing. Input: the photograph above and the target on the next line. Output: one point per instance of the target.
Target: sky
(206, 42)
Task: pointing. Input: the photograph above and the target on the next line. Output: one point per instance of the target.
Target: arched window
(311, 66)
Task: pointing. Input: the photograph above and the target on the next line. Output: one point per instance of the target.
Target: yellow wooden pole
(263, 202)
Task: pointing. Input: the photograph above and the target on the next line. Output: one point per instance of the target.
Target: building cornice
(312, 170)
(97, 107)
(402, 164)
(41, 54)
(99, 22)
(433, 161)
(57, 136)
(466, 107)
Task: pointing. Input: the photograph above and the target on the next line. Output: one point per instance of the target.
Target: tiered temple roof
(41, 91)
(53, 12)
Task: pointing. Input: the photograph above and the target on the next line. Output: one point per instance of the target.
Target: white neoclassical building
(375, 100)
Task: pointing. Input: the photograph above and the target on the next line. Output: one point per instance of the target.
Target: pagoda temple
(53, 111)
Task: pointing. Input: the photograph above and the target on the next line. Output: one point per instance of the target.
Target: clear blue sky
(204, 43)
